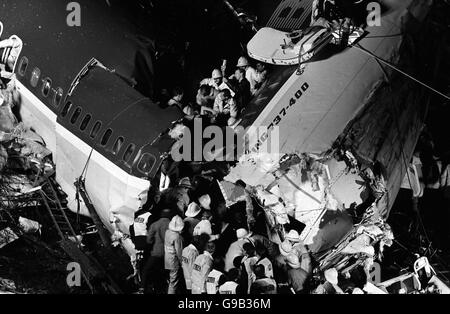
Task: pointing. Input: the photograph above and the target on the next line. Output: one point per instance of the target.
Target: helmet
(241, 233)
(216, 74)
(242, 62)
(331, 275)
(176, 224)
(293, 236)
(293, 260)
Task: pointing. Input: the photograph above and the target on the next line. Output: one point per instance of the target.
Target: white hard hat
(293, 260)
(242, 62)
(331, 275)
(216, 74)
(241, 233)
(193, 210)
(293, 236)
(285, 248)
(205, 201)
(176, 224)
(202, 227)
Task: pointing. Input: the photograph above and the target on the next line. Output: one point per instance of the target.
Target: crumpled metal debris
(29, 226)
(7, 236)
(7, 286)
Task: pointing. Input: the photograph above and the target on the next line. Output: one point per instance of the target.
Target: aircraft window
(46, 87)
(35, 75)
(118, 145)
(85, 122)
(129, 152)
(58, 97)
(106, 137)
(66, 109)
(285, 12)
(298, 13)
(23, 66)
(146, 163)
(75, 115)
(95, 129)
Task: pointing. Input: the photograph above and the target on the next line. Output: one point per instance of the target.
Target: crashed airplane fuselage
(349, 122)
(97, 126)
(101, 129)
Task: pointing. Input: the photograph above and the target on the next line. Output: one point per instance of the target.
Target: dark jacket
(189, 225)
(155, 236)
(243, 94)
(297, 278)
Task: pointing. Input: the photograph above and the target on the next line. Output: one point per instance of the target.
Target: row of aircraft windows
(146, 161)
(105, 139)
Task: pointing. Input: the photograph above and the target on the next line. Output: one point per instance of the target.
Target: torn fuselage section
(332, 195)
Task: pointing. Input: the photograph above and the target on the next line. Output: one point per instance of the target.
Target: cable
(385, 36)
(87, 163)
(360, 48)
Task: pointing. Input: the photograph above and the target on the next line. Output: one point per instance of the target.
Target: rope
(360, 48)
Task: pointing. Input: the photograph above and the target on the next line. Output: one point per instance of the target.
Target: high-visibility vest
(140, 224)
(228, 287)
(190, 253)
(200, 270)
(212, 282)
(268, 269)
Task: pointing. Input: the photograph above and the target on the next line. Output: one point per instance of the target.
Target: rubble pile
(25, 163)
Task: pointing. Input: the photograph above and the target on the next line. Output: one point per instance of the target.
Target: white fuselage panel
(113, 192)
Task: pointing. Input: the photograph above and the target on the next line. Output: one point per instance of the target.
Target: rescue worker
(213, 281)
(231, 286)
(217, 82)
(250, 73)
(261, 74)
(138, 230)
(205, 226)
(262, 284)
(154, 267)
(225, 108)
(271, 247)
(330, 286)
(280, 262)
(242, 87)
(297, 277)
(177, 197)
(261, 255)
(300, 249)
(138, 234)
(173, 249)
(249, 262)
(236, 248)
(205, 98)
(202, 267)
(188, 256)
(193, 217)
